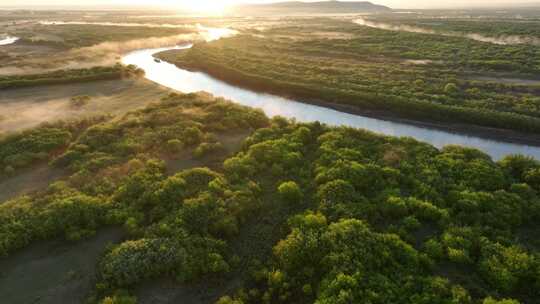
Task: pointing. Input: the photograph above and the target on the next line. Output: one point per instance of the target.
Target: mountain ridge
(312, 7)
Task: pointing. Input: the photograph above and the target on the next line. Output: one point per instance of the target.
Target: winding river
(185, 81)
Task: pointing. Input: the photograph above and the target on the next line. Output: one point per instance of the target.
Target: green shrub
(205, 149)
(174, 145)
(290, 192)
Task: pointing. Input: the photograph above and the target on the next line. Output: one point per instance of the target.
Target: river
(171, 76)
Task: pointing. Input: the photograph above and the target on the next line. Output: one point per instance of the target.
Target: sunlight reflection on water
(8, 40)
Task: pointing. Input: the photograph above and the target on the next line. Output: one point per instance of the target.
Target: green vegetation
(117, 71)
(23, 149)
(392, 221)
(290, 191)
(304, 213)
(386, 72)
(108, 150)
(300, 212)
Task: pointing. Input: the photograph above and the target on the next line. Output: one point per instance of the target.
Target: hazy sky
(391, 3)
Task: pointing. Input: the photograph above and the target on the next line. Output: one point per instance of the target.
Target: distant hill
(322, 7)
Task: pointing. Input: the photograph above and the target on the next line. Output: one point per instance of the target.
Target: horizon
(186, 5)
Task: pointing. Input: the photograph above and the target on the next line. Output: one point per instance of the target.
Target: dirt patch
(55, 271)
(30, 180)
(232, 143)
(167, 291)
(28, 107)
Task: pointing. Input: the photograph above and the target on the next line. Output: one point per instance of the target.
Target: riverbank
(259, 85)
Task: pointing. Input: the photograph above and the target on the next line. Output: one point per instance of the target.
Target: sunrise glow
(207, 6)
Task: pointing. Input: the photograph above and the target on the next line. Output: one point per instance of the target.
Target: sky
(208, 3)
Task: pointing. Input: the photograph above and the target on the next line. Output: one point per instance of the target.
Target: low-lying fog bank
(124, 24)
(109, 53)
(500, 40)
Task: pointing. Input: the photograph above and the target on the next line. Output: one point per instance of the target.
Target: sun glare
(207, 6)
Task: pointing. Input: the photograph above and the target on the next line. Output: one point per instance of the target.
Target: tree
(119, 298)
(174, 145)
(504, 301)
(290, 192)
(507, 268)
(451, 89)
(518, 165)
(336, 191)
(229, 300)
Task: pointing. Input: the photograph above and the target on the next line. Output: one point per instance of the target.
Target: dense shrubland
(23, 149)
(391, 220)
(304, 213)
(386, 71)
(99, 159)
(117, 71)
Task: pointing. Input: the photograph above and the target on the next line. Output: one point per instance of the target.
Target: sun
(207, 6)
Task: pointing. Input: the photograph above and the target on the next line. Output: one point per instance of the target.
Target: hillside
(322, 7)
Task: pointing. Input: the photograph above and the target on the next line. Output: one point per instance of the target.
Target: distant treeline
(70, 76)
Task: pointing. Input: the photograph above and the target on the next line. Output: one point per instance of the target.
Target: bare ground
(54, 271)
(232, 143)
(28, 107)
(30, 180)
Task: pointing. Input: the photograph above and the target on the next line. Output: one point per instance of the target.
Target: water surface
(8, 40)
